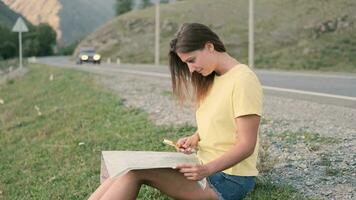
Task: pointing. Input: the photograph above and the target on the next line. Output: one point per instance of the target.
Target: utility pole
(251, 34)
(157, 34)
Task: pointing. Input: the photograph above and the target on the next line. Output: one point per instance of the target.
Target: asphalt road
(331, 88)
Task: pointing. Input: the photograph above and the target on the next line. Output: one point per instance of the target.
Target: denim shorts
(230, 187)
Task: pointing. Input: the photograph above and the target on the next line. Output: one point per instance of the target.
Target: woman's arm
(247, 128)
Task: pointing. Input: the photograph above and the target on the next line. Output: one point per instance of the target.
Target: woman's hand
(188, 145)
(194, 172)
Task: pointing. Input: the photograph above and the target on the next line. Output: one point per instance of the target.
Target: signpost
(20, 27)
(251, 35)
(157, 34)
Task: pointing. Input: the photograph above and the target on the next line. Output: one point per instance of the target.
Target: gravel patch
(312, 144)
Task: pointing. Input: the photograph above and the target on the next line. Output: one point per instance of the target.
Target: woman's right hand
(188, 145)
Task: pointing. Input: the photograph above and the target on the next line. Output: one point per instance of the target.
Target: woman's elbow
(249, 148)
(250, 151)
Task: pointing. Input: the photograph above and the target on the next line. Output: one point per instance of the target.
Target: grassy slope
(286, 38)
(40, 154)
(284, 32)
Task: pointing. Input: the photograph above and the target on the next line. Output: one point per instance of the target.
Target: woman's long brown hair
(191, 37)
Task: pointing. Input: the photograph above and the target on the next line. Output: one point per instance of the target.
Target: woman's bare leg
(101, 189)
(124, 188)
(174, 184)
(168, 181)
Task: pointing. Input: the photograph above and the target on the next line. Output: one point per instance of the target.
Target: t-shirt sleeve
(247, 96)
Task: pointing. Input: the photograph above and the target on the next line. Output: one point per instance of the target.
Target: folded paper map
(117, 163)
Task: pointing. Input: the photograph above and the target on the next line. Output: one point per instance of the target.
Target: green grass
(265, 190)
(40, 154)
(167, 93)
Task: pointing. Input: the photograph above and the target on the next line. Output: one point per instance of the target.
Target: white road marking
(312, 74)
(309, 93)
(145, 73)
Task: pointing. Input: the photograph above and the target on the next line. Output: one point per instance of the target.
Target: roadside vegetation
(5, 64)
(39, 41)
(53, 125)
(124, 6)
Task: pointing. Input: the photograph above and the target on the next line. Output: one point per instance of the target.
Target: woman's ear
(209, 46)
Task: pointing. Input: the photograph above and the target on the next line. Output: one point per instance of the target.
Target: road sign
(20, 27)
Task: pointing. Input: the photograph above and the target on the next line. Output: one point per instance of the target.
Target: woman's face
(201, 61)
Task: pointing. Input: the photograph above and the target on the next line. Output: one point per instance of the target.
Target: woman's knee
(144, 176)
(133, 176)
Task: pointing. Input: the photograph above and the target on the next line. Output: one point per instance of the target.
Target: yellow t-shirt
(236, 93)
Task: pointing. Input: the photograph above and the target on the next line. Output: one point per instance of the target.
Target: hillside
(38, 11)
(71, 20)
(7, 16)
(291, 34)
(80, 17)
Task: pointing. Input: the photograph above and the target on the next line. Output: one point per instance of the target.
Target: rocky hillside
(301, 34)
(72, 20)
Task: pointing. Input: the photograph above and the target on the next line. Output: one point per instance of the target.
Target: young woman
(228, 96)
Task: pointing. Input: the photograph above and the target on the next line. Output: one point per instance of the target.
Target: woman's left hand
(194, 172)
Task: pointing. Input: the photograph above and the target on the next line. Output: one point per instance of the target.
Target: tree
(8, 43)
(30, 47)
(146, 3)
(46, 38)
(7, 50)
(123, 6)
(39, 41)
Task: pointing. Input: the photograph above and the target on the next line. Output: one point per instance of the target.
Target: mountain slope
(71, 20)
(38, 11)
(289, 34)
(7, 16)
(80, 17)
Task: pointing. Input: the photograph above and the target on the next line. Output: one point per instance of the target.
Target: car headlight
(96, 57)
(84, 57)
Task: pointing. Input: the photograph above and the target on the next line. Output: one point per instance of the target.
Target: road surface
(330, 88)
